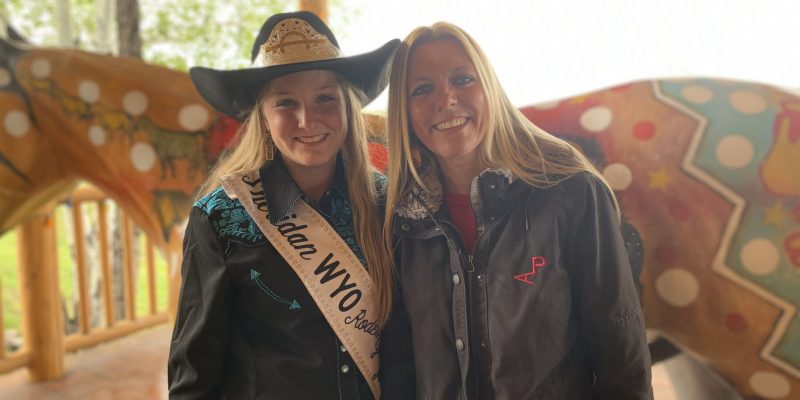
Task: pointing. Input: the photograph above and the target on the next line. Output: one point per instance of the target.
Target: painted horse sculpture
(707, 172)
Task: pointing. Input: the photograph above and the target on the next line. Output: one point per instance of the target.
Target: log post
(106, 273)
(42, 318)
(319, 7)
(129, 285)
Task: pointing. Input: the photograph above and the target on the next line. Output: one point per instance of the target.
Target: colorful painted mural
(707, 171)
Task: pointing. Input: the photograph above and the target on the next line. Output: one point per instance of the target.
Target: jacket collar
(418, 203)
(282, 191)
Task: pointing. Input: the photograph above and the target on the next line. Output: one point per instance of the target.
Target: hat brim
(234, 92)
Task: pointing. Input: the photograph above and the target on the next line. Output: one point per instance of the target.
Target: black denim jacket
(246, 326)
(546, 308)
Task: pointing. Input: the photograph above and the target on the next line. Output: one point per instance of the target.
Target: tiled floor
(134, 368)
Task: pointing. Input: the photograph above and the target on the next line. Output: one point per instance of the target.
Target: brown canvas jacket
(546, 308)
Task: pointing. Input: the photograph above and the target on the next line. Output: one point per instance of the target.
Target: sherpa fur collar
(418, 203)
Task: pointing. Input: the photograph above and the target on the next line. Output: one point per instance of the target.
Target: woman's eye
(462, 80)
(283, 103)
(421, 89)
(326, 98)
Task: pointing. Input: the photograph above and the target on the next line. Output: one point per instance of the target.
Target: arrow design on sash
(255, 276)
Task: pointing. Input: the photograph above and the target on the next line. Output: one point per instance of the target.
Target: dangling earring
(270, 147)
(416, 157)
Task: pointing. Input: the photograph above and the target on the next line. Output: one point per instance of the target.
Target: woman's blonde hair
(511, 142)
(250, 153)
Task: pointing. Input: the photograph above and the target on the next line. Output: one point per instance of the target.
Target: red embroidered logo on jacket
(537, 262)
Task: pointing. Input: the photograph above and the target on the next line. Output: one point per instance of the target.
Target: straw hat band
(292, 41)
(285, 44)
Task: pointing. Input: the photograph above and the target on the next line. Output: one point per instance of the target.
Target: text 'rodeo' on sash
(328, 269)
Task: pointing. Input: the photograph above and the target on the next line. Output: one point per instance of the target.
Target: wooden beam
(43, 323)
(86, 192)
(2, 328)
(121, 329)
(80, 258)
(319, 7)
(151, 275)
(105, 263)
(14, 361)
(127, 268)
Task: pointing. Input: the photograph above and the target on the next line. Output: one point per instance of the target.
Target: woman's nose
(305, 117)
(446, 97)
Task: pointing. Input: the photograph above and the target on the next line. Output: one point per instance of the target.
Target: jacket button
(345, 369)
(456, 279)
(459, 344)
(480, 277)
(343, 349)
(491, 218)
(404, 227)
(492, 186)
(483, 344)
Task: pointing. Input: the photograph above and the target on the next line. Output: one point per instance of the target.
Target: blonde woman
(514, 280)
(285, 283)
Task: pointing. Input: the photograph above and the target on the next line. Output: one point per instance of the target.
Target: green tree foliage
(175, 33)
(182, 33)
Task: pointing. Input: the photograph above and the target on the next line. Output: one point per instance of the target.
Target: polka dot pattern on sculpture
(760, 256)
(135, 103)
(747, 102)
(97, 135)
(41, 68)
(16, 123)
(677, 287)
(770, 385)
(735, 151)
(193, 117)
(619, 176)
(735, 323)
(143, 156)
(89, 91)
(644, 130)
(5, 77)
(697, 94)
(665, 255)
(596, 119)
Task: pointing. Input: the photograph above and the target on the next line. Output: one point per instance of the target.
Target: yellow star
(659, 179)
(579, 99)
(774, 215)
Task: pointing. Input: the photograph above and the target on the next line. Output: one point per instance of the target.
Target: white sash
(333, 275)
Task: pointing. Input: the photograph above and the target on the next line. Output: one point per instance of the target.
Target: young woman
(285, 284)
(514, 280)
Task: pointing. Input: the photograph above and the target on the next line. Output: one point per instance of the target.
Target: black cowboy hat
(288, 43)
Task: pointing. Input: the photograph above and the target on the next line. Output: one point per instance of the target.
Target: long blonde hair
(250, 153)
(511, 142)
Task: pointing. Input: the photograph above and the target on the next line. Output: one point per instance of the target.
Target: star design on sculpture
(659, 179)
(775, 215)
(579, 99)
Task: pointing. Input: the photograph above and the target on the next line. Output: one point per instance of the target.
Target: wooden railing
(45, 342)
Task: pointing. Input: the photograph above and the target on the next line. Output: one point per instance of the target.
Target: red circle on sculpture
(664, 254)
(644, 130)
(735, 322)
(379, 156)
(679, 211)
